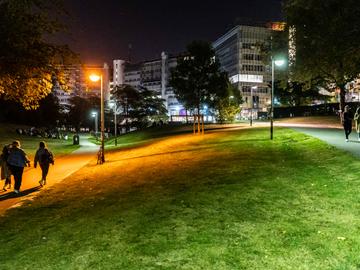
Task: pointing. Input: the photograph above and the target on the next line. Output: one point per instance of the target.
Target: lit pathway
(64, 166)
(335, 137)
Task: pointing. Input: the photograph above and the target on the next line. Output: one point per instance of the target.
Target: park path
(64, 166)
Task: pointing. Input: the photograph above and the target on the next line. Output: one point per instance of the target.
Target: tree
(326, 35)
(228, 106)
(80, 109)
(139, 106)
(28, 62)
(197, 78)
(296, 93)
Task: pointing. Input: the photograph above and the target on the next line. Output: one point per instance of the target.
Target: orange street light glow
(94, 77)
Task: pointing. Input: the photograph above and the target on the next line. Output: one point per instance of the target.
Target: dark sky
(102, 30)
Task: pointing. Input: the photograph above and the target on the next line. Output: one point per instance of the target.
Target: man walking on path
(44, 157)
(17, 160)
(347, 122)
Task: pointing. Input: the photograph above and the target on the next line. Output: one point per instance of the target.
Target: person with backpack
(5, 171)
(17, 160)
(44, 157)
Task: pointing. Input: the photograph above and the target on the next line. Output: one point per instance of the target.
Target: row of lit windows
(262, 90)
(256, 57)
(253, 68)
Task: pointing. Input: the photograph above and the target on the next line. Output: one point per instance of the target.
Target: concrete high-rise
(239, 54)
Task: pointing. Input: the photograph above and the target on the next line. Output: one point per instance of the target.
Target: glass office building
(239, 54)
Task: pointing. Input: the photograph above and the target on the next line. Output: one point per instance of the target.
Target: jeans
(17, 172)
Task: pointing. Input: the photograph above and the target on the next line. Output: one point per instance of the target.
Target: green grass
(30, 144)
(317, 120)
(234, 200)
(152, 134)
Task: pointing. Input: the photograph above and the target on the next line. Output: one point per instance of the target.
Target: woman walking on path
(5, 171)
(357, 122)
(45, 158)
(17, 160)
(347, 122)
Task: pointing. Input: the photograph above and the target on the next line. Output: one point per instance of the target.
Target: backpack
(46, 157)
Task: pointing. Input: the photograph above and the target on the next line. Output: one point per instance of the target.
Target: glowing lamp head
(94, 77)
(279, 62)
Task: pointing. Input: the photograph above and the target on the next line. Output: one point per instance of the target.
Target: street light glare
(94, 77)
(279, 62)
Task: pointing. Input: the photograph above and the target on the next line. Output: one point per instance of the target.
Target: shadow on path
(12, 195)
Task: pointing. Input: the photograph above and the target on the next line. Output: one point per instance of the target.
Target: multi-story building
(239, 54)
(153, 75)
(79, 85)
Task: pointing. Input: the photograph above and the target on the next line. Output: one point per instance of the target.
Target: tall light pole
(96, 78)
(95, 115)
(115, 120)
(252, 104)
(274, 63)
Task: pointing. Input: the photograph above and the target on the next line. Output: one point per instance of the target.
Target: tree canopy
(197, 78)
(28, 61)
(326, 35)
(139, 106)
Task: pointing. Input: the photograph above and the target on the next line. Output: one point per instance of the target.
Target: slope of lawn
(229, 200)
(30, 144)
(314, 120)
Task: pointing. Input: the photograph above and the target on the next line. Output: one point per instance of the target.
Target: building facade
(239, 54)
(79, 85)
(153, 75)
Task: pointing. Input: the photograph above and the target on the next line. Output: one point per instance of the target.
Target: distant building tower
(118, 72)
(240, 56)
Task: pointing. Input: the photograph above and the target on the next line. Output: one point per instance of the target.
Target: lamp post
(274, 62)
(252, 104)
(113, 105)
(96, 78)
(95, 115)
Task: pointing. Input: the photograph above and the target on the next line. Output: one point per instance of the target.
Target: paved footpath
(335, 137)
(64, 167)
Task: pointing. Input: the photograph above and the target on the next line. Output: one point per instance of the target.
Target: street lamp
(252, 104)
(113, 105)
(279, 63)
(95, 115)
(96, 78)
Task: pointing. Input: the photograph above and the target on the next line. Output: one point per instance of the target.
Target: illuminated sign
(278, 26)
(247, 78)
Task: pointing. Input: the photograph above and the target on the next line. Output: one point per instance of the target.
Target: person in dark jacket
(347, 122)
(5, 171)
(17, 160)
(44, 157)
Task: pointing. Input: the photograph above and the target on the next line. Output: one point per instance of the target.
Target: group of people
(13, 160)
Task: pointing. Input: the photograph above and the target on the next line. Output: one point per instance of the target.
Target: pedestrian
(44, 157)
(357, 121)
(347, 122)
(17, 160)
(5, 171)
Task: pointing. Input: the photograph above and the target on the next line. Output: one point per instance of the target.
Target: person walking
(17, 160)
(347, 122)
(357, 121)
(5, 171)
(44, 157)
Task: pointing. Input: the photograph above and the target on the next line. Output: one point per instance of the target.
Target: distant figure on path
(44, 157)
(5, 171)
(347, 122)
(357, 121)
(17, 160)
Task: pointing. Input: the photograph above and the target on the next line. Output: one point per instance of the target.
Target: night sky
(102, 30)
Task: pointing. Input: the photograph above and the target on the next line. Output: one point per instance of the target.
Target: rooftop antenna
(129, 52)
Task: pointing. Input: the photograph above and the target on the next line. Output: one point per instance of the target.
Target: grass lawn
(315, 120)
(229, 200)
(153, 134)
(31, 144)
